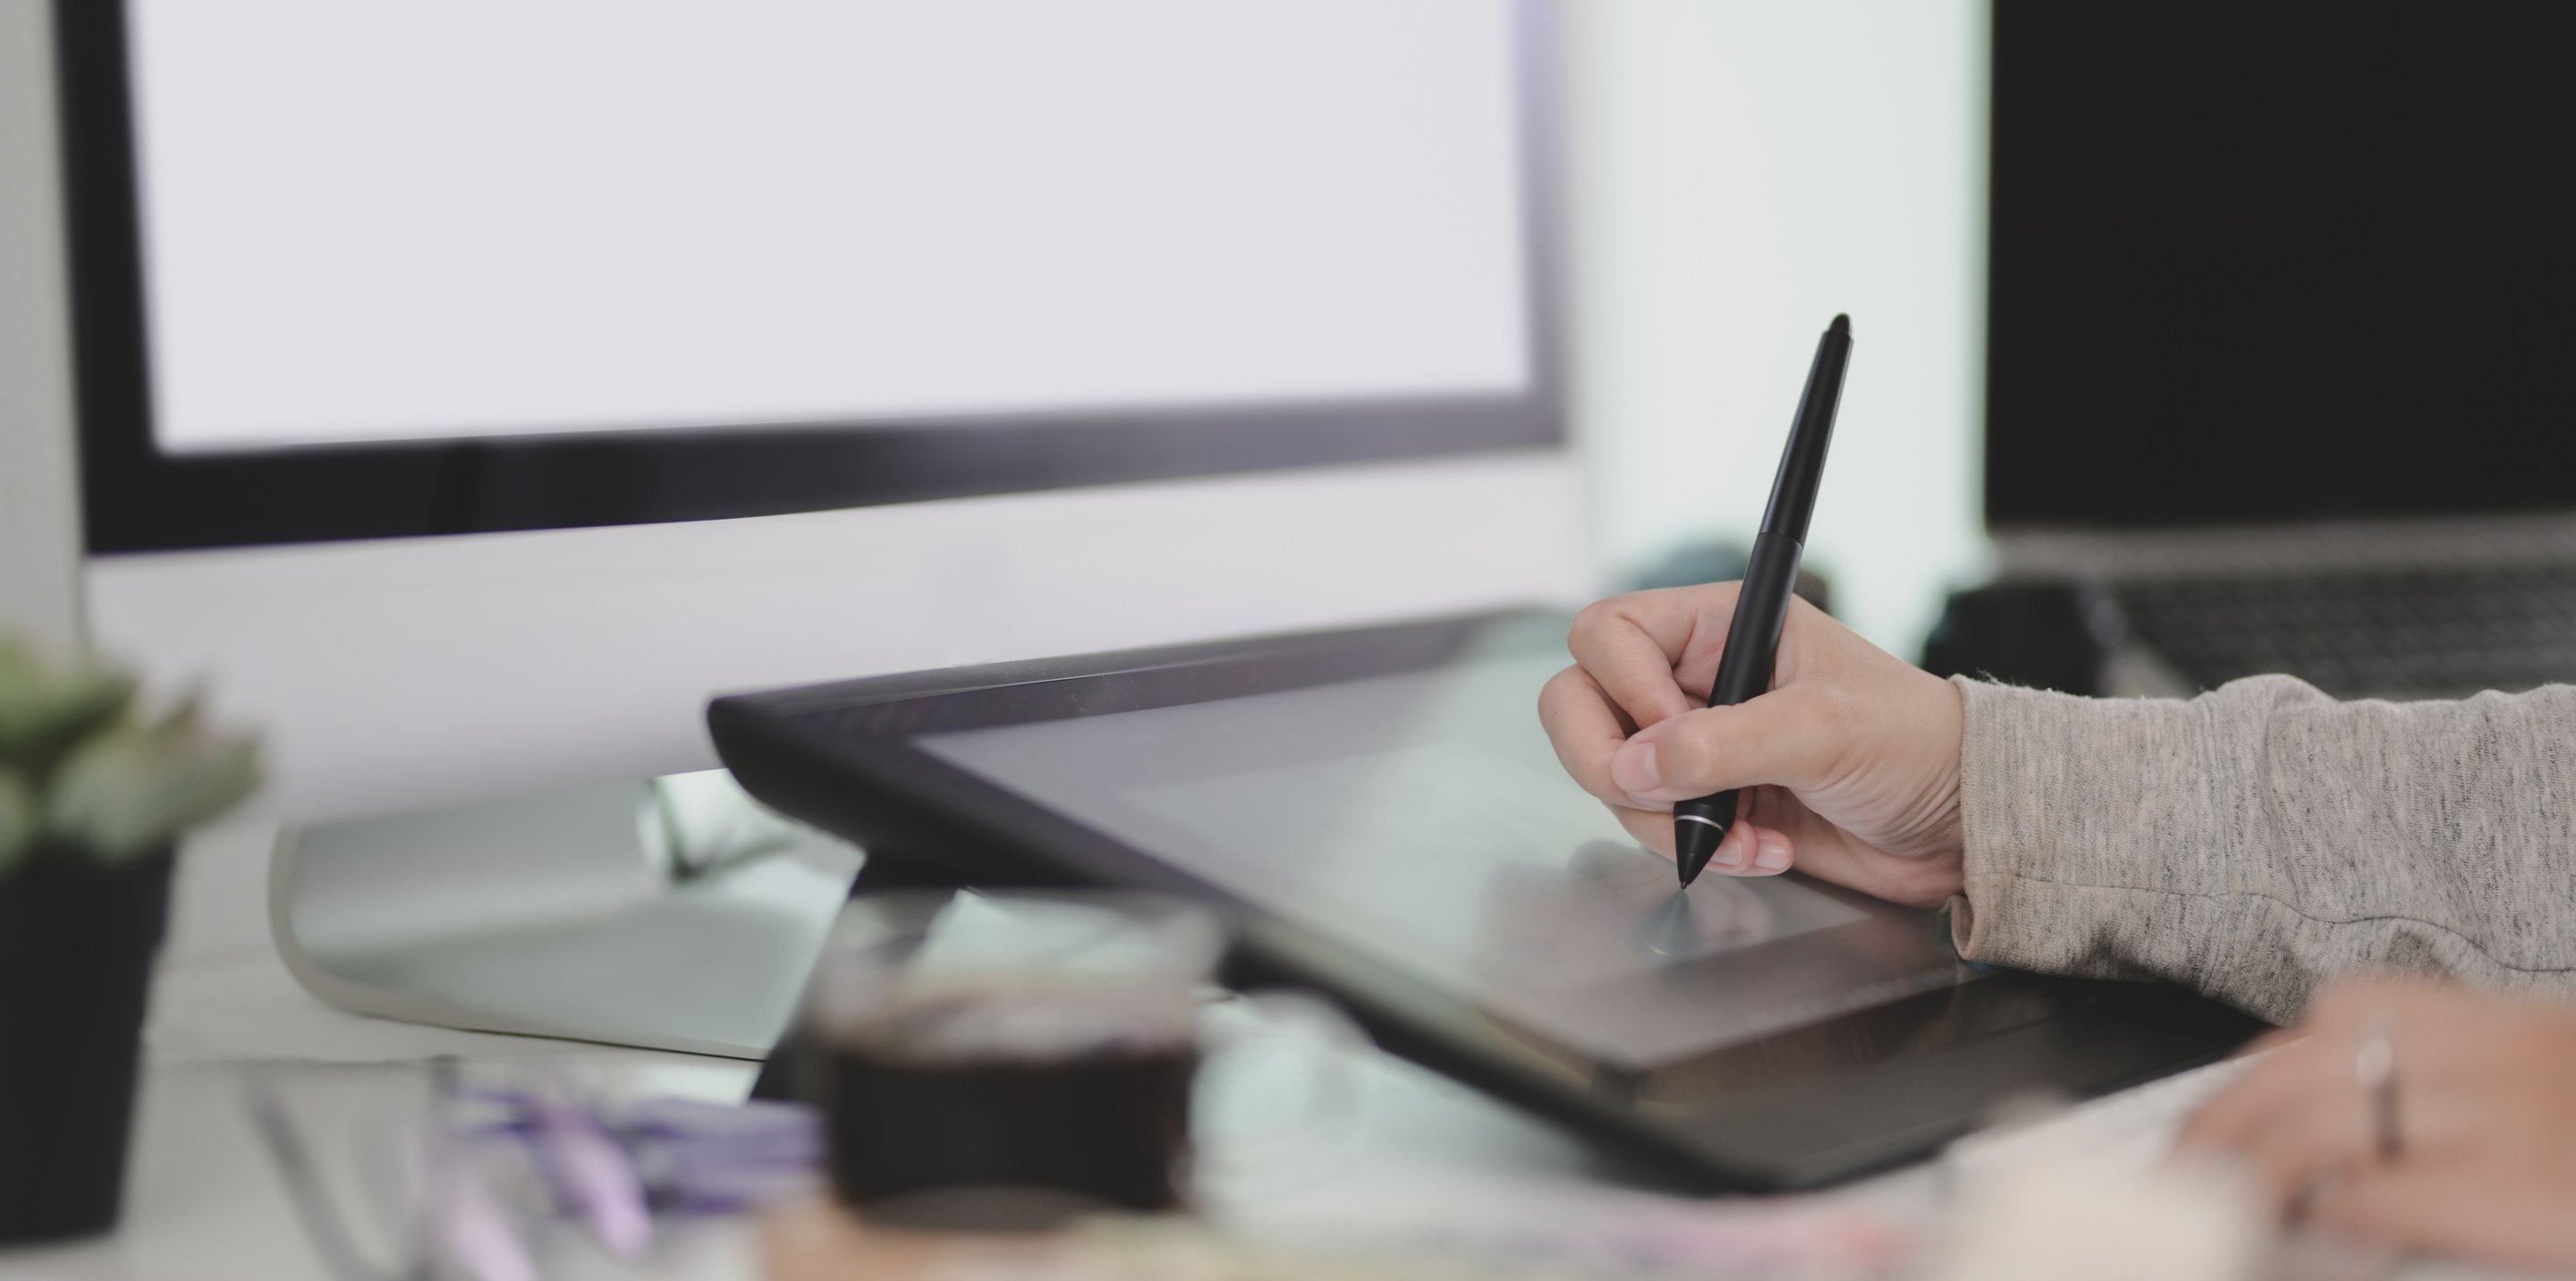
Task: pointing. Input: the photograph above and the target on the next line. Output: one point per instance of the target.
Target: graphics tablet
(1382, 815)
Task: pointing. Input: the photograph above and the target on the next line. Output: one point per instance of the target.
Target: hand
(2485, 1122)
(1851, 762)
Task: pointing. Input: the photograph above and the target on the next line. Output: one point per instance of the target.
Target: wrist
(1949, 824)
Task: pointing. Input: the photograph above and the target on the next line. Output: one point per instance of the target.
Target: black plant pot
(77, 941)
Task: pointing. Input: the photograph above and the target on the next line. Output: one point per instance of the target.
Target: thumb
(1785, 737)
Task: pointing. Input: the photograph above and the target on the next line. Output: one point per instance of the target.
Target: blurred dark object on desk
(78, 940)
(1010, 1062)
(1721, 561)
(2046, 635)
(97, 786)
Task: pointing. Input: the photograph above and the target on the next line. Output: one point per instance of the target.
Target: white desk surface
(204, 1202)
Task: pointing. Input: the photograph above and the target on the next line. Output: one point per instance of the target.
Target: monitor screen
(2279, 261)
(476, 218)
(397, 270)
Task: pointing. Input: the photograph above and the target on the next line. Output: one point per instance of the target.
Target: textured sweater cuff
(2091, 832)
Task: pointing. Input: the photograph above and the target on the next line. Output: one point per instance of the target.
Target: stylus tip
(1693, 845)
(1841, 327)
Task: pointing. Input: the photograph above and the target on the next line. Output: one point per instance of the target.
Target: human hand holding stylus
(1850, 764)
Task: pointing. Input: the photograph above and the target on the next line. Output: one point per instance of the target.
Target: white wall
(1743, 169)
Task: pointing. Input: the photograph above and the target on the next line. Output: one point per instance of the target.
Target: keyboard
(2390, 633)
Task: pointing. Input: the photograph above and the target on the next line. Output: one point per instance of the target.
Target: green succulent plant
(85, 772)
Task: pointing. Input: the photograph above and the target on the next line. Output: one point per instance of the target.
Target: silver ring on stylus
(2374, 1065)
(1700, 818)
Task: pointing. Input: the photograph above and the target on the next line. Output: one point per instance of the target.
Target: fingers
(1772, 852)
(2320, 1139)
(2299, 1061)
(2301, 1119)
(2314, 1064)
(2230, 1121)
(2457, 1206)
(1627, 724)
(1651, 828)
(1749, 849)
(1758, 813)
(1642, 647)
(1586, 730)
(2294, 1118)
(1634, 656)
(2296, 1132)
(2279, 1038)
(1792, 738)
(2461, 1171)
(2351, 1005)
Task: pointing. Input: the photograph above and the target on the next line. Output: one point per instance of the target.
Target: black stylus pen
(1753, 639)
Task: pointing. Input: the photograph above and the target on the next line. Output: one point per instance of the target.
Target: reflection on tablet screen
(1422, 818)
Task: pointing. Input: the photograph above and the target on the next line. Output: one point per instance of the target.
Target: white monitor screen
(480, 218)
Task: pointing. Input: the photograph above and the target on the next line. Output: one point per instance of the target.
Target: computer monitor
(2291, 262)
(466, 391)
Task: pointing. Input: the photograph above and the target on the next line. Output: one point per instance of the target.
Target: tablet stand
(556, 915)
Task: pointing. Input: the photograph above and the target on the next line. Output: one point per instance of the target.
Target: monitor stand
(668, 913)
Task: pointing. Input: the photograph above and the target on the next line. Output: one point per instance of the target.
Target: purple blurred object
(666, 1155)
(708, 1158)
(590, 1172)
(495, 1159)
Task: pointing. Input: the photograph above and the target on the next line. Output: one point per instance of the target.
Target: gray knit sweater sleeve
(2262, 838)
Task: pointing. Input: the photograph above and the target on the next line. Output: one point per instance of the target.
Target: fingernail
(1635, 771)
(1730, 853)
(1774, 856)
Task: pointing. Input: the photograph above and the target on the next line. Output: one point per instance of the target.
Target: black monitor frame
(138, 498)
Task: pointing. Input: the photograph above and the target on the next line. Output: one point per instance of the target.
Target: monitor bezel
(138, 498)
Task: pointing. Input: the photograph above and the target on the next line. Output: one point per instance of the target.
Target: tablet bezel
(845, 757)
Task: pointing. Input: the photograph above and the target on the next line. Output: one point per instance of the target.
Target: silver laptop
(2283, 334)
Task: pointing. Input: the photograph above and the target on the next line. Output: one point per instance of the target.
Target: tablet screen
(1421, 818)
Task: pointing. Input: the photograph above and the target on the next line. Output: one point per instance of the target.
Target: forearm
(2259, 839)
